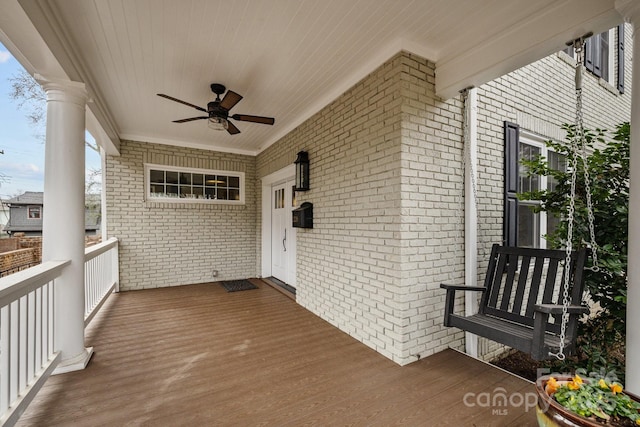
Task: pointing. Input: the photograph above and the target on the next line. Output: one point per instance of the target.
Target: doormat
(238, 285)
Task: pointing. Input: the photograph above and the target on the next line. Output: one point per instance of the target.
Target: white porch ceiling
(288, 58)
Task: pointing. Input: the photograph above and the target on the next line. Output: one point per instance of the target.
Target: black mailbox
(303, 216)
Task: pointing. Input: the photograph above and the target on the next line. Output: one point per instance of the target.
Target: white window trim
(39, 208)
(147, 185)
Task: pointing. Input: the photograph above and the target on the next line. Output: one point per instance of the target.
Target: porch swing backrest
(518, 279)
(522, 301)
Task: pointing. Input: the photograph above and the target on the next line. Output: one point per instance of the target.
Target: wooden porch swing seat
(521, 301)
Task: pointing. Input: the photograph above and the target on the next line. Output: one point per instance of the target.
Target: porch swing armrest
(558, 309)
(451, 296)
(462, 287)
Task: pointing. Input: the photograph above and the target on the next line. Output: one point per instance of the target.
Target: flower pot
(552, 414)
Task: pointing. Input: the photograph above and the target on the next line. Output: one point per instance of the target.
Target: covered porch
(198, 355)
(195, 353)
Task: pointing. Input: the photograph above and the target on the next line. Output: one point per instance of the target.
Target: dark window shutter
(621, 58)
(588, 53)
(511, 179)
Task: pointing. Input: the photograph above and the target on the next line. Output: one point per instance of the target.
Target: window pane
(198, 192)
(185, 178)
(528, 227)
(234, 194)
(556, 162)
(210, 180)
(210, 193)
(172, 190)
(222, 180)
(172, 177)
(553, 221)
(528, 183)
(222, 194)
(234, 182)
(156, 176)
(157, 190)
(197, 179)
(185, 191)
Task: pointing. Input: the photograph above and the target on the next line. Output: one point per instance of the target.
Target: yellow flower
(575, 383)
(602, 384)
(616, 388)
(552, 386)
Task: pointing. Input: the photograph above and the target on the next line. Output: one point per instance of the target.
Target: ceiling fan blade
(232, 129)
(254, 119)
(181, 102)
(190, 119)
(230, 100)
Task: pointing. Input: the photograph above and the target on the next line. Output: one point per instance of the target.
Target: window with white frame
(174, 184)
(34, 212)
(532, 226)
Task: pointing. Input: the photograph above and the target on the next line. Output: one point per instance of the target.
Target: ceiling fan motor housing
(214, 110)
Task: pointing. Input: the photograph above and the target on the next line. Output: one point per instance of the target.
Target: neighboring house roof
(28, 198)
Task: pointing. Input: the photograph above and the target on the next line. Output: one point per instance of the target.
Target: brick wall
(18, 258)
(8, 244)
(168, 244)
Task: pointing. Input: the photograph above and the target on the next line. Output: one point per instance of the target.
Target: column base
(76, 363)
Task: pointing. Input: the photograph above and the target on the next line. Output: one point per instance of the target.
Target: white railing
(100, 276)
(27, 350)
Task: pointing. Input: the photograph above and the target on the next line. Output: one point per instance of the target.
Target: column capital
(64, 90)
(630, 11)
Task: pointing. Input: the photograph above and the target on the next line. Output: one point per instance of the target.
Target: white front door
(283, 237)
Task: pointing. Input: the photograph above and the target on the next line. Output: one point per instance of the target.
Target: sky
(23, 158)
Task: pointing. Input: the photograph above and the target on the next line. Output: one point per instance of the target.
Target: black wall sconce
(302, 171)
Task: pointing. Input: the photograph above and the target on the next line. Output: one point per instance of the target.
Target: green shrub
(601, 337)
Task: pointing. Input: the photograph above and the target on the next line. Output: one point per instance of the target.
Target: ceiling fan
(218, 111)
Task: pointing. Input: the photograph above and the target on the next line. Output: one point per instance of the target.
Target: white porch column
(630, 9)
(63, 215)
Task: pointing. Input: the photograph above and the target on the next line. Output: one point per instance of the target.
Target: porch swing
(532, 298)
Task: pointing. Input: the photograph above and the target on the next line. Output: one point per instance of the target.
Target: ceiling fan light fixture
(218, 123)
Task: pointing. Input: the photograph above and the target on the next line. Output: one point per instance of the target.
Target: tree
(31, 98)
(608, 166)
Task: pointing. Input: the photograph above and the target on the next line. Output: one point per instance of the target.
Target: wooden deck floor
(197, 355)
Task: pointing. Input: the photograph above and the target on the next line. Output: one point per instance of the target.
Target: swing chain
(578, 146)
(579, 135)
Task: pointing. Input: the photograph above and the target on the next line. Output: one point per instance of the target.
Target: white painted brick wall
(170, 244)
(383, 187)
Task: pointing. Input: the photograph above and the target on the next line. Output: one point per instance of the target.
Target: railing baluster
(5, 349)
(100, 276)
